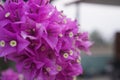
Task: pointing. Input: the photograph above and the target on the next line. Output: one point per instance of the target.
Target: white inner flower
(71, 34)
(13, 43)
(7, 14)
(65, 55)
(59, 68)
(71, 52)
(60, 35)
(2, 43)
(78, 60)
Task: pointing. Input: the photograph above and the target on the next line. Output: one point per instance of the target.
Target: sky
(103, 18)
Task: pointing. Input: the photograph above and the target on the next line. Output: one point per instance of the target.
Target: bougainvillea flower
(26, 64)
(10, 74)
(53, 31)
(42, 41)
(32, 65)
(83, 42)
(11, 42)
(39, 2)
(33, 29)
(39, 13)
(13, 11)
(69, 68)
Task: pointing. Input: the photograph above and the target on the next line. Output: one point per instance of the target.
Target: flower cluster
(11, 75)
(44, 43)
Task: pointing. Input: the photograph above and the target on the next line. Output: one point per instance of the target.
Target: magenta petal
(39, 64)
(22, 44)
(4, 22)
(52, 41)
(9, 74)
(4, 51)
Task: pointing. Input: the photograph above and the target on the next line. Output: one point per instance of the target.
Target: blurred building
(104, 53)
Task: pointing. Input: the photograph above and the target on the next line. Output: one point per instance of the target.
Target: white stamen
(2, 43)
(65, 55)
(71, 34)
(7, 14)
(13, 43)
(59, 68)
(71, 52)
(78, 60)
(60, 35)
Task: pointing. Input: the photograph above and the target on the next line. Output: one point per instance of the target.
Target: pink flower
(11, 75)
(11, 43)
(83, 43)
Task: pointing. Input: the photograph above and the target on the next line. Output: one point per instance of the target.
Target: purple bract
(11, 75)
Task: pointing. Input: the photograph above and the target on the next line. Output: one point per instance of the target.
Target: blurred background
(101, 18)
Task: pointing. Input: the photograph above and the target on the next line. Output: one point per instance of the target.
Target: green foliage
(5, 64)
